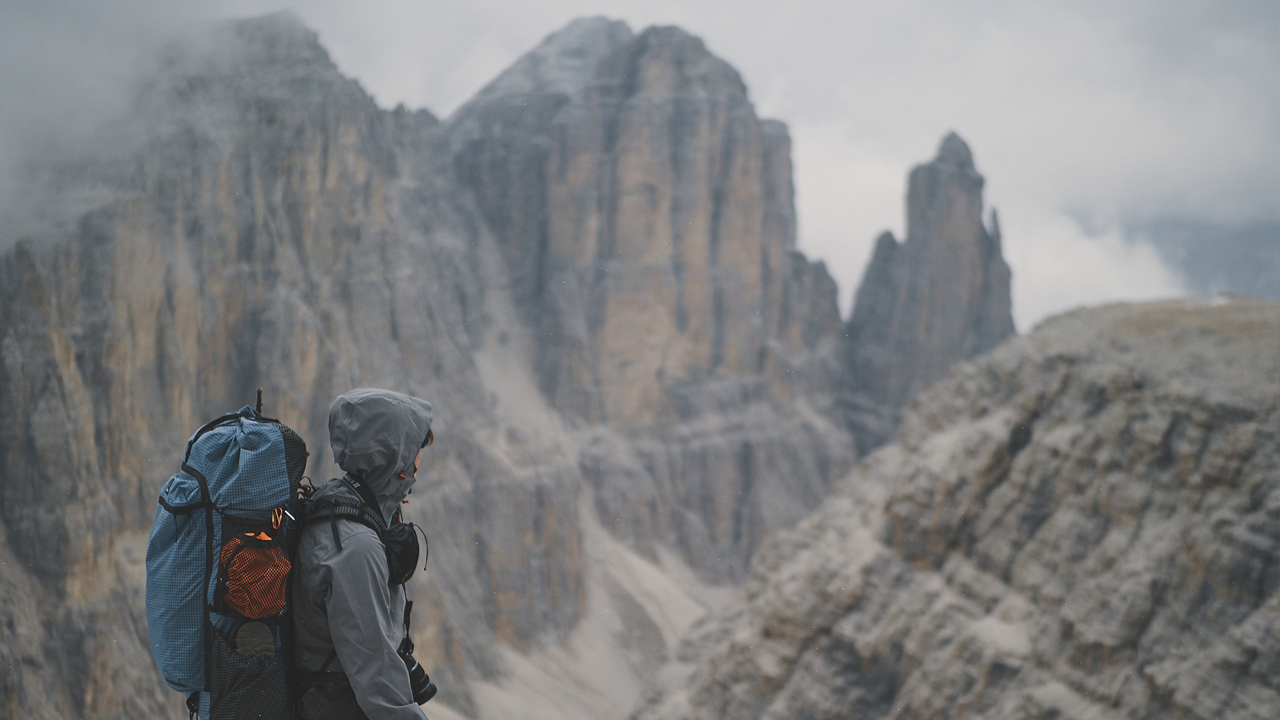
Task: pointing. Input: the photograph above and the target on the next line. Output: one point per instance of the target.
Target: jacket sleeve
(365, 635)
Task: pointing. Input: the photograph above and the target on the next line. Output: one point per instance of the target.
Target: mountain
(263, 224)
(590, 270)
(647, 218)
(1081, 524)
(937, 298)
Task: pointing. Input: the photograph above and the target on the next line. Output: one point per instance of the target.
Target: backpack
(218, 568)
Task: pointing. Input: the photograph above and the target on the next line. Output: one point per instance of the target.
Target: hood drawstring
(426, 551)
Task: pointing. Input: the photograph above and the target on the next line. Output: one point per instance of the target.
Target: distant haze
(1087, 118)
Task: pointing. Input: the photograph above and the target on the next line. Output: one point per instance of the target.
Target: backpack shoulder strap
(332, 507)
(367, 496)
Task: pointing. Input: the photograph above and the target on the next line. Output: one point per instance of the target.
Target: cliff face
(646, 217)
(939, 297)
(263, 224)
(1082, 524)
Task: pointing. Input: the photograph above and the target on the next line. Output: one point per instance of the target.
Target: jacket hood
(375, 435)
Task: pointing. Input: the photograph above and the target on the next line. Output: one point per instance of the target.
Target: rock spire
(941, 296)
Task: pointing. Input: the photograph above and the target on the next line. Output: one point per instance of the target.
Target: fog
(1084, 116)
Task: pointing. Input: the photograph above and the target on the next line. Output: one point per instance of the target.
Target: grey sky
(1080, 114)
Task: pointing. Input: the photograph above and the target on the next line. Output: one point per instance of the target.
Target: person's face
(417, 460)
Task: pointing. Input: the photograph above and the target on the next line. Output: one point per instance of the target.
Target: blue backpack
(218, 568)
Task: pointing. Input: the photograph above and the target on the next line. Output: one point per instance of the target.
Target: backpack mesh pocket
(253, 571)
(246, 687)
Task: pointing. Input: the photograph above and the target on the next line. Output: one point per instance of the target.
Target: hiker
(350, 619)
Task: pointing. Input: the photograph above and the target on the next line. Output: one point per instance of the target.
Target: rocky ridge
(1082, 524)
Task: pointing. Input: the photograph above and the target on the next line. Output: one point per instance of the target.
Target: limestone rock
(646, 214)
(647, 221)
(1081, 524)
(939, 297)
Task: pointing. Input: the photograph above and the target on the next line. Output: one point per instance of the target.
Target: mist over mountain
(590, 269)
(1217, 257)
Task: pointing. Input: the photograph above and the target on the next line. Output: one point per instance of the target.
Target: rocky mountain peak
(274, 38)
(647, 224)
(941, 296)
(564, 62)
(657, 198)
(954, 153)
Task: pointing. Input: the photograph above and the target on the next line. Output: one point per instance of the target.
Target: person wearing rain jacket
(348, 618)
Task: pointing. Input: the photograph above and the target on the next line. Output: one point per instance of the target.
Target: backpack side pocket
(176, 585)
(253, 569)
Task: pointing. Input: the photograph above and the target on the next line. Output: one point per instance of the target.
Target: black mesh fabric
(330, 697)
(295, 455)
(245, 688)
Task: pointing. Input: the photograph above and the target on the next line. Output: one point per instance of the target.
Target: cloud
(1077, 109)
(1058, 266)
(66, 69)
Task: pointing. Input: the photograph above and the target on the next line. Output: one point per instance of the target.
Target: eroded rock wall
(1082, 524)
(260, 223)
(647, 218)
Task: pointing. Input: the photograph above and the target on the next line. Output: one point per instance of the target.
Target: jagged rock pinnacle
(940, 297)
(954, 152)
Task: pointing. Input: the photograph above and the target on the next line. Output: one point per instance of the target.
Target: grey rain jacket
(342, 601)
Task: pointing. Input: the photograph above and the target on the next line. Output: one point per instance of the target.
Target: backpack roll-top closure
(244, 461)
(182, 495)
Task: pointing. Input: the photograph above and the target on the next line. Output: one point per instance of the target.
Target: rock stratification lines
(590, 269)
(1083, 524)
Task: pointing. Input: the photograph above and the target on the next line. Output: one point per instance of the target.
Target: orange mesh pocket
(252, 576)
